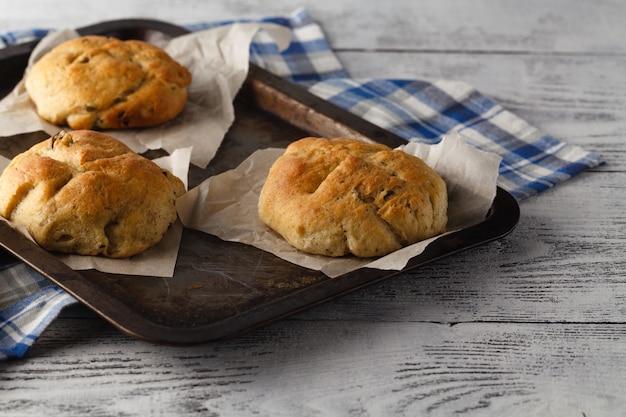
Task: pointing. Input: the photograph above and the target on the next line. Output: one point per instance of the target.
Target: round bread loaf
(85, 192)
(342, 196)
(95, 82)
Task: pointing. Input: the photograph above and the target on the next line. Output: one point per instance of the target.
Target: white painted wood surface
(531, 325)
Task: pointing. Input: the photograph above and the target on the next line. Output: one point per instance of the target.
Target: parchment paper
(218, 60)
(226, 205)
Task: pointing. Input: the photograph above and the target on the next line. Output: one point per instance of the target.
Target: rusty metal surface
(222, 289)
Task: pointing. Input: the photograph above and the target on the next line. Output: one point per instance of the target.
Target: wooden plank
(315, 368)
(564, 26)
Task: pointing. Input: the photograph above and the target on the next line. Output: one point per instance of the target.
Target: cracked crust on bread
(96, 82)
(342, 196)
(86, 193)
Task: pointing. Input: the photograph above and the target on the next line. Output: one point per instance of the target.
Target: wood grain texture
(281, 370)
(451, 25)
(530, 325)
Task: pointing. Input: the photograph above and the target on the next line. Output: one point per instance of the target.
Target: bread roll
(95, 82)
(86, 193)
(342, 196)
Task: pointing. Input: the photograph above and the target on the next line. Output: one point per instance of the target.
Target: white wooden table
(530, 325)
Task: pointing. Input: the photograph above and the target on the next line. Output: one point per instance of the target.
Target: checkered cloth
(416, 110)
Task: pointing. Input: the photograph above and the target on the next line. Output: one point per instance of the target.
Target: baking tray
(222, 289)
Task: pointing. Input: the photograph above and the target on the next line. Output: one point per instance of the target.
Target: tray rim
(502, 220)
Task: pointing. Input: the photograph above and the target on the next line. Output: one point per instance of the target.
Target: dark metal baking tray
(222, 289)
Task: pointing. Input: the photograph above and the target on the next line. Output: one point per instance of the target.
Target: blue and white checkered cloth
(416, 110)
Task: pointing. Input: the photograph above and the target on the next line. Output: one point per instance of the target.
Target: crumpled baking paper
(218, 60)
(226, 205)
(159, 260)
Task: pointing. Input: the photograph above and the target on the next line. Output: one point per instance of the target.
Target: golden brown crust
(95, 82)
(85, 192)
(341, 196)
